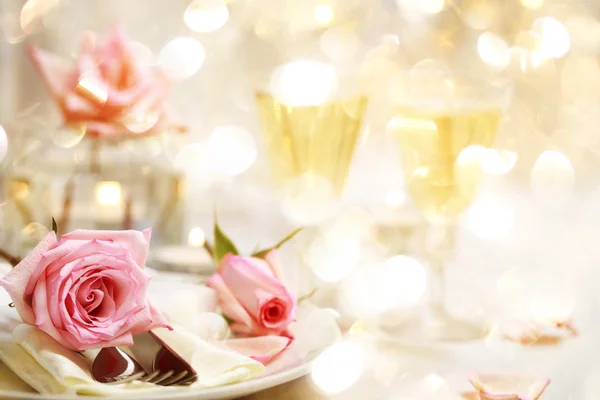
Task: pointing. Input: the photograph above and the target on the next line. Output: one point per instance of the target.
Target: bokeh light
(196, 237)
(533, 4)
(406, 277)
(3, 143)
(375, 288)
(182, 57)
(552, 178)
(233, 149)
(498, 162)
(431, 6)
(195, 161)
(551, 300)
(33, 12)
(493, 50)
(308, 199)
(333, 260)
(68, 136)
(338, 367)
(304, 83)
(323, 14)
(108, 193)
(468, 169)
(140, 120)
(396, 198)
(491, 219)
(142, 53)
(206, 15)
(555, 39)
(340, 44)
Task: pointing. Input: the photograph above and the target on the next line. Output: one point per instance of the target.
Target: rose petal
(137, 242)
(17, 280)
(252, 287)
(262, 349)
(507, 386)
(147, 319)
(244, 278)
(274, 262)
(42, 318)
(66, 252)
(55, 71)
(230, 306)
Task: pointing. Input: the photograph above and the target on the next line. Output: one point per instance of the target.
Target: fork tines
(158, 378)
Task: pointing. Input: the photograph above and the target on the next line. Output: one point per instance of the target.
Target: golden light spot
(196, 237)
(108, 193)
(532, 3)
(323, 14)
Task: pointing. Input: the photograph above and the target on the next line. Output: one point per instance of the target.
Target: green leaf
(54, 226)
(307, 296)
(223, 245)
(227, 319)
(262, 253)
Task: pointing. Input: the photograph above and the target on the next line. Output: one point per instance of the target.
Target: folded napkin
(49, 368)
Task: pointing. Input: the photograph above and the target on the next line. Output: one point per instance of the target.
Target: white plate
(218, 393)
(293, 363)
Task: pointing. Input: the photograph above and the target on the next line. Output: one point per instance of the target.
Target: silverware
(113, 366)
(153, 354)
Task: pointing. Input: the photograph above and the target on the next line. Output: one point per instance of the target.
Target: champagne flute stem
(440, 248)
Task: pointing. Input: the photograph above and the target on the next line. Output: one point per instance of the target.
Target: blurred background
(528, 241)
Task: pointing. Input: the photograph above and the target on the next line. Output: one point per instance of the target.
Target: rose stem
(95, 157)
(127, 218)
(12, 260)
(66, 209)
(208, 249)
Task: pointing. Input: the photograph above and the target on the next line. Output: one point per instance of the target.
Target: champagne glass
(310, 123)
(310, 120)
(444, 129)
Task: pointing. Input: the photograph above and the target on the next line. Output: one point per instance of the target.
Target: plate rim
(227, 391)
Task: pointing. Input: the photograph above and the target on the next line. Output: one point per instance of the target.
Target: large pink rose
(88, 290)
(106, 89)
(252, 294)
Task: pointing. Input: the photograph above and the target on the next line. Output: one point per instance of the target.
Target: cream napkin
(50, 368)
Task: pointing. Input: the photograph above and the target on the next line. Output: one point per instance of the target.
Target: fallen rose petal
(505, 386)
(262, 349)
(523, 332)
(530, 332)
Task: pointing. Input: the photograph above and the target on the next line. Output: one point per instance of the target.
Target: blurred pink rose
(88, 290)
(251, 294)
(106, 88)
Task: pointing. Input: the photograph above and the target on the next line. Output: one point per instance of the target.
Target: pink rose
(88, 290)
(107, 88)
(251, 293)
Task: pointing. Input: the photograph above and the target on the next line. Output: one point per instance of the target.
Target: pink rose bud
(88, 290)
(107, 89)
(251, 294)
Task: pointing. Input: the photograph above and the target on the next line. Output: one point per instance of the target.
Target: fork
(114, 366)
(154, 354)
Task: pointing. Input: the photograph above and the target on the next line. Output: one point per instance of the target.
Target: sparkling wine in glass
(310, 146)
(441, 149)
(311, 140)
